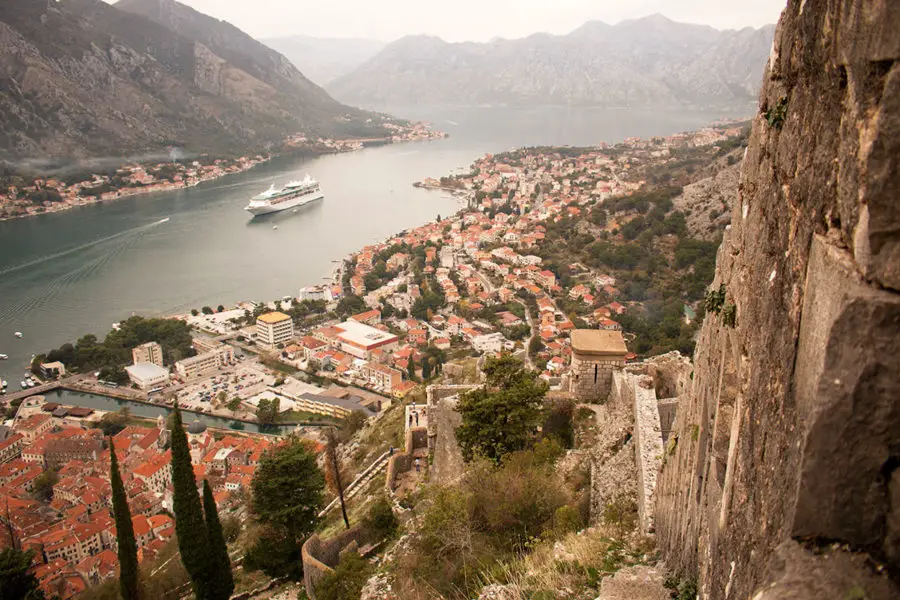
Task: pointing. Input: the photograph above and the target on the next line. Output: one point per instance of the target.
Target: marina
(108, 403)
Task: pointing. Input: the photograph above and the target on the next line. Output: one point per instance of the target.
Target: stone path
(635, 583)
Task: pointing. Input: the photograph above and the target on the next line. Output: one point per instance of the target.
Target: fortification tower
(595, 355)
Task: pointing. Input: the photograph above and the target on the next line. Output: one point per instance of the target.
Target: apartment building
(206, 363)
(274, 328)
(151, 352)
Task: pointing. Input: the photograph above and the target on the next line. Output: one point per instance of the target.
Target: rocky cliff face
(644, 62)
(783, 481)
(83, 78)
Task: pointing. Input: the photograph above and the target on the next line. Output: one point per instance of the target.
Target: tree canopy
(190, 526)
(287, 489)
(114, 352)
(501, 416)
(129, 573)
(268, 411)
(221, 580)
(16, 582)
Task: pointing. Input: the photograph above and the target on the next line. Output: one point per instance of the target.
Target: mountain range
(82, 78)
(325, 59)
(648, 62)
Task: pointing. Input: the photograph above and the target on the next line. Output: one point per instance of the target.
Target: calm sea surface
(65, 274)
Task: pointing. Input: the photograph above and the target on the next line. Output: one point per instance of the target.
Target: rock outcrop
(82, 78)
(706, 203)
(783, 480)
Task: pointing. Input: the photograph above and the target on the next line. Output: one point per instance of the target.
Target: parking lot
(243, 381)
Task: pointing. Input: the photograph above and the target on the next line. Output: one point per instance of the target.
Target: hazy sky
(479, 20)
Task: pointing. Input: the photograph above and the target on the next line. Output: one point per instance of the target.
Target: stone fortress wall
(781, 477)
(320, 557)
(401, 462)
(633, 399)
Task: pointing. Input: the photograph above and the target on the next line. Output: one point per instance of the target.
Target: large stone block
(847, 387)
(798, 573)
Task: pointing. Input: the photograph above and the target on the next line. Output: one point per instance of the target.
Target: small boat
(18, 334)
(4, 356)
(275, 227)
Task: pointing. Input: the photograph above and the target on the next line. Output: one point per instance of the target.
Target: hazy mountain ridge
(84, 78)
(642, 63)
(325, 59)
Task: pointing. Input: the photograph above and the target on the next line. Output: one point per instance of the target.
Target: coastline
(240, 165)
(129, 192)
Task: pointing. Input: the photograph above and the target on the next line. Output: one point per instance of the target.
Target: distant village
(52, 194)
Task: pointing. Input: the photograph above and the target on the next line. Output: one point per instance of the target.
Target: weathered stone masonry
(596, 355)
(781, 478)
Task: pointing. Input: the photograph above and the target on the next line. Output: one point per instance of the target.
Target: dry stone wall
(401, 462)
(633, 399)
(591, 376)
(782, 480)
(613, 470)
(320, 557)
(443, 419)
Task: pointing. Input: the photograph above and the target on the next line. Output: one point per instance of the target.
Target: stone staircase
(362, 480)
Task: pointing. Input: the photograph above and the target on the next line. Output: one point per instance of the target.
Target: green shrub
(682, 589)
(558, 422)
(231, 528)
(515, 502)
(776, 115)
(380, 521)
(715, 299)
(565, 520)
(346, 581)
(729, 315)
(621, 512)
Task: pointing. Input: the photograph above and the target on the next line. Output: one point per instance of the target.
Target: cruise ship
(294, 194)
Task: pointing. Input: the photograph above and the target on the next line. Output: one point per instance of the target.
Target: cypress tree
(221, 582)
(189, 524)
(129, 584)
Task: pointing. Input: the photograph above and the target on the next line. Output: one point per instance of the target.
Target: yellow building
(274, 328)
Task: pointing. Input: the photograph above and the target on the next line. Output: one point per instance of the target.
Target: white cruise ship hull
(263, 207)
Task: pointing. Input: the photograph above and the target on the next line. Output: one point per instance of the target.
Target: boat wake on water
(95, 258)
(61, 253)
